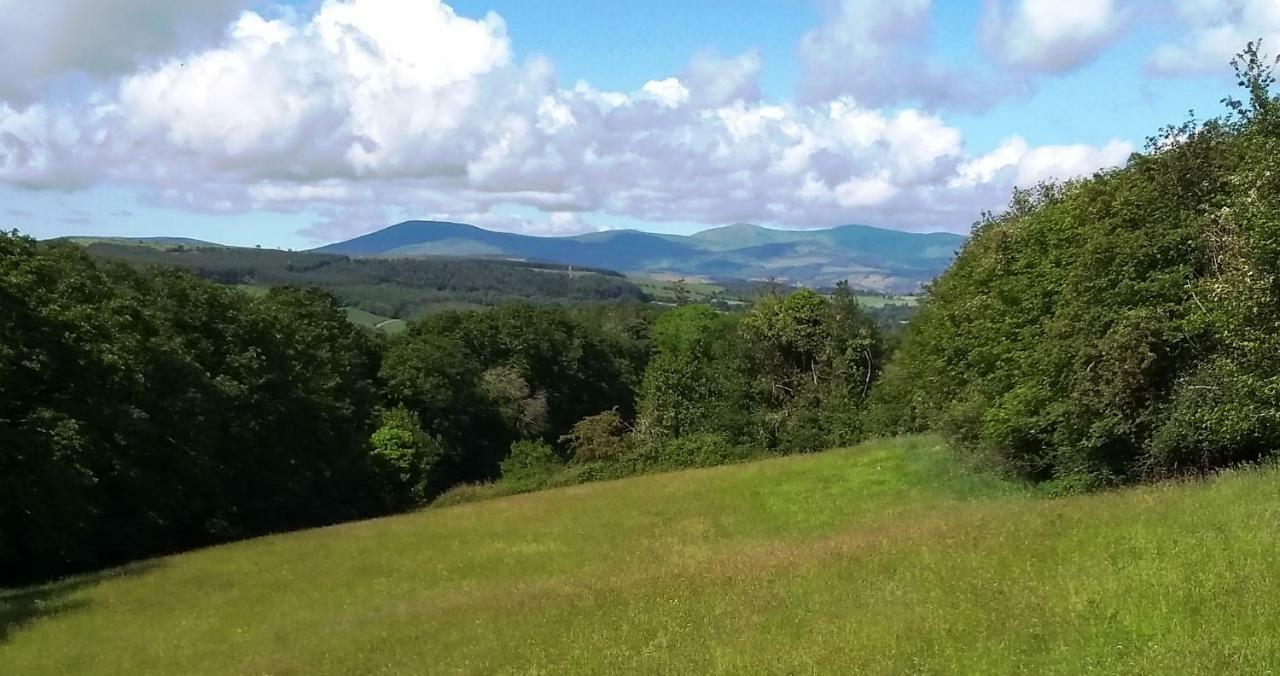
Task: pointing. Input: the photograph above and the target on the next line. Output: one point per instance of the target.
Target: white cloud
(1015, 162)
(1051, 35)
(868, 191)
(358, 88)
(374, 109)
(669, 92)
(1216, 30)
(872, 50)
(563, 223)
(985, 168)
(45, 40)
(718, 81)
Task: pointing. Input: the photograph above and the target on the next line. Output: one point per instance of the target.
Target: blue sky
(295, 124)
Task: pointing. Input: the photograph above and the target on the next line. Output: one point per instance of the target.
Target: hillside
(888, 558)
(389, 289)
(157, 242)
(870, 258)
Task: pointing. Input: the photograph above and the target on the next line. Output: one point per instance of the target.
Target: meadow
(886, 558)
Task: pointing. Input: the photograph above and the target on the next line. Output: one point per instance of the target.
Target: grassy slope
(883, 559)
(371, 321)
(664, 290)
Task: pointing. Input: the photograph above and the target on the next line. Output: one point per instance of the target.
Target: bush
(597, 437)
(1120, 327)
(405, 458)
(701, 450)
(530, 465)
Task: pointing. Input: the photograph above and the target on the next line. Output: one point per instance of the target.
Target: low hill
(158, 242)
(389, 288)
(870, 258)
(887, 558)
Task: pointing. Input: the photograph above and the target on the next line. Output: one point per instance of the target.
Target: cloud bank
(1216, 30)
(367, 106)
(1050, 36)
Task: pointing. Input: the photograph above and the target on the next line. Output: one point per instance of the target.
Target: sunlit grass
(883, 559)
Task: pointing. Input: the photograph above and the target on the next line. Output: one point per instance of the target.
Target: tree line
(1116, 328)
(149, 411)
(402, 288)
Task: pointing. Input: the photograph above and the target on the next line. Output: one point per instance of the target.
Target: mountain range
(870, 258)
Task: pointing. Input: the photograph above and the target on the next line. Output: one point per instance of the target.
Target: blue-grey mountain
(870, 258)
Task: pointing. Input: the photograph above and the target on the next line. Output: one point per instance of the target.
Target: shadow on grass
(21, 607)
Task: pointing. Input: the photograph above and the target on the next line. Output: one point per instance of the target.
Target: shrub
(1120, 327)
(701, 450)
(597, 437)
(530, 465)
(405, 457)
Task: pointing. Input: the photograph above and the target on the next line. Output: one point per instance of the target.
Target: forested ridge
(402, 288)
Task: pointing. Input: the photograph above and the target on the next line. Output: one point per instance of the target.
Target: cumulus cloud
(1216, 31)
(1051, 35)
(369, 110)
(873, 51)
(1017, 163)
(46, 40)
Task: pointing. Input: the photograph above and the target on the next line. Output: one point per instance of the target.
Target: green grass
(665, 291)
(881, 301)
(887, 559)
(377, 322)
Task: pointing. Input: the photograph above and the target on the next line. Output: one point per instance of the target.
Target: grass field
(376, 322)
(701, 291)
(873, 302)
(665, 290)
(887, 558)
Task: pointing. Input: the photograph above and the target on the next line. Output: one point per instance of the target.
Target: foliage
(406, 458)
(530, 465)
(695, 381)
(596, 437)
(147, 412)
(791, 375)
(404, 288)
(1118, 327)
(152, 411)
(700, 450)
(481, 381)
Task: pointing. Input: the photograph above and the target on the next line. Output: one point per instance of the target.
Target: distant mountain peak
(432, 225)
(869, 257)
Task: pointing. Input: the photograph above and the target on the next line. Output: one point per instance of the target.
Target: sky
(294, 124)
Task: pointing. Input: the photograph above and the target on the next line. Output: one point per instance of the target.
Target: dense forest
(401, 288)
(1120, 327)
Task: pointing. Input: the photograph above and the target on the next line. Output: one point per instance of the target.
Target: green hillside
(376, 322)
(381, 289)
(888, 558)
(155, 242)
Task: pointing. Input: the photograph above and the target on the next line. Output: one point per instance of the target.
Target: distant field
(376, 322)
(887, 558)
(158, 243)
(664, 290)
(874, 302)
